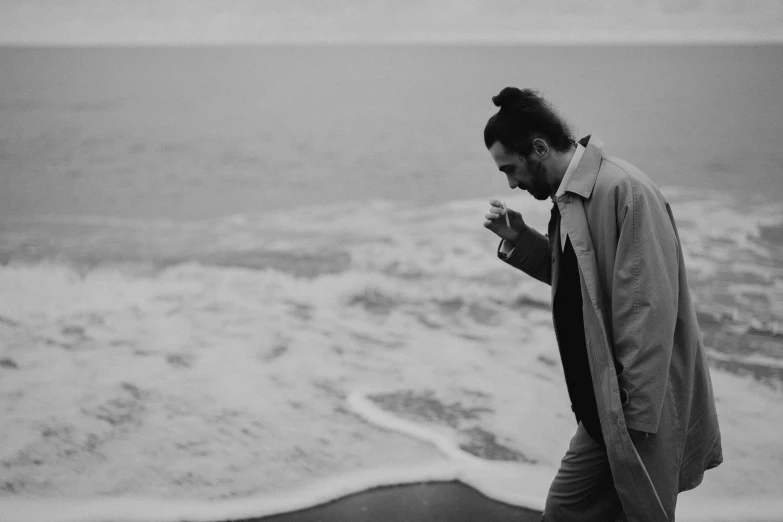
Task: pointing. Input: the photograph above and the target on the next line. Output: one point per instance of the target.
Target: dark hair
(523, 116)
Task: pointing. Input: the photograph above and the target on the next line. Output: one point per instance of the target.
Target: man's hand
(496, 222)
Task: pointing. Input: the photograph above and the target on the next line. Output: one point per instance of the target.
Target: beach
(430, 502)
(216, 307)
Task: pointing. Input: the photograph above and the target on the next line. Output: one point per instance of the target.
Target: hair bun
(507, 96)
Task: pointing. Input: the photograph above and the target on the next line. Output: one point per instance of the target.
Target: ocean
(258, 276)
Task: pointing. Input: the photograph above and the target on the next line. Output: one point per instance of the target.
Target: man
(626, 328)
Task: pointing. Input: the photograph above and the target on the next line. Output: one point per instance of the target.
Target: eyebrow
(506, 168)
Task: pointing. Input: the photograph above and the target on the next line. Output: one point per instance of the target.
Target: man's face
(522, 173)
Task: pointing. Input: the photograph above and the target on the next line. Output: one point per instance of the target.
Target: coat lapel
(573, 215)
(581, 183)
(583, 180)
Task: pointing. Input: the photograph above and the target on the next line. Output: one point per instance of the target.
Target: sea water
(241, 281)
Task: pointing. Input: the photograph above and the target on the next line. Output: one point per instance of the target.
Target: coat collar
(583, 179)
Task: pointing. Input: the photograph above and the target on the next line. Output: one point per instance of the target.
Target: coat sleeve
(531, 255)
(644, 305)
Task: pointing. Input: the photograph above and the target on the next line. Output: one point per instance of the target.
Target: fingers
(497, 211)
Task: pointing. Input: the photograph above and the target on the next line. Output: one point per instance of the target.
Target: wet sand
(422, 502)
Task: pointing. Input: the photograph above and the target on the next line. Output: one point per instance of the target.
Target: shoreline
(451, 501)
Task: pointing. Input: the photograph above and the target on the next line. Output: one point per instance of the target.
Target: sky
(198, 22)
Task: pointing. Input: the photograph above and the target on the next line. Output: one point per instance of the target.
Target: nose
(512, 183)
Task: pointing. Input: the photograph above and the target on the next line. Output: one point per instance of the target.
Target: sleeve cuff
(505, 250)
(525, 251)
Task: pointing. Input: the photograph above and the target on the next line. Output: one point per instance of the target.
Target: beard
(539, 188)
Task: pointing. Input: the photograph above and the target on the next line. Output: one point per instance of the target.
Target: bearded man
(626, 327)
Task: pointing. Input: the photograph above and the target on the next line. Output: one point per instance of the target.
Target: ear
(540, 147)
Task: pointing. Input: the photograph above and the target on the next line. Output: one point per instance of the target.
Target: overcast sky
(101, 22)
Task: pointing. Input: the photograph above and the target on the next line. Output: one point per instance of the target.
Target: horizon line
(488, 42)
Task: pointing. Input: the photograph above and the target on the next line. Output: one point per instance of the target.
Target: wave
(731, 249)
(522, 484)
(164, 369)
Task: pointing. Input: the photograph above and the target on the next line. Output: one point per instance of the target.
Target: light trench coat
(645, 350)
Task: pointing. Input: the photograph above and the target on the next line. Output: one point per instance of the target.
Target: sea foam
(136, 384)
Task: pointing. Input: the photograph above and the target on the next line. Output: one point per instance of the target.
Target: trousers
(583, 489)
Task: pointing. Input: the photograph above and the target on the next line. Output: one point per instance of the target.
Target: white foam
(513, 483)
(248, 388)
(523, 485)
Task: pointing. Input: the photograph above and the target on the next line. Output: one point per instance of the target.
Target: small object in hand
(505, 211)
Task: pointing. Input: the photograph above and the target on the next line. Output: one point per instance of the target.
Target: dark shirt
(570, 331)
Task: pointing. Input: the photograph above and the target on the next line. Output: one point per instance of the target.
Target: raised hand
(495, 220)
